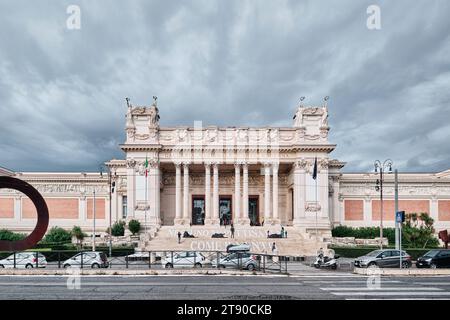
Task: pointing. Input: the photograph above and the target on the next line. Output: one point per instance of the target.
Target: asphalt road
(322, 286)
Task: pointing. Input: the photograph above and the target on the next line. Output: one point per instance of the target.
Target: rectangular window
(124, 207)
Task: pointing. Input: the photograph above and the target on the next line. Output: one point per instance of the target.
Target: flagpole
(317, 206)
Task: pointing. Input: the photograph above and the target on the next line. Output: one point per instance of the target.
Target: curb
(67, 272)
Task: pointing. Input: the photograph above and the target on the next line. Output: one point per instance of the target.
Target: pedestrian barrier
(265, 263)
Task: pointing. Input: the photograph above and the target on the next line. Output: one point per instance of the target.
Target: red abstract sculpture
(42, 215)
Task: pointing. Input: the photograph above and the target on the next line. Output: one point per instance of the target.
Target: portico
(215, 176)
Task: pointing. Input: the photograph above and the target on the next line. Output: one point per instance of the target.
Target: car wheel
(433, 266)
(2, 266)
(29, 266)
(169, 266)
(372, 265)
(221, 266)
(95, 266)
(197, 265)
(405, 265)
(66, 266)
(251, 267)
(334, 266)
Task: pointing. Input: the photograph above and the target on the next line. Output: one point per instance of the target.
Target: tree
(418, 231)
(57, 235)
(134, 226)
(118, 228)
(79, 234)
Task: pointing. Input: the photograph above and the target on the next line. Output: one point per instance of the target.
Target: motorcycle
(326, 262)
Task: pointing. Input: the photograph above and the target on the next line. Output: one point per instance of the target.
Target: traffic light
(113, 185)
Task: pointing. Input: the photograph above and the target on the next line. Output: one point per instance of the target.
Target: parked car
(93, 259)
(238, 247)
(25, 260)
(185, 259)
(438, 258)
(239, 260)
(386, 258)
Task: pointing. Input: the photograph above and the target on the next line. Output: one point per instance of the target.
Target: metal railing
(145, 260)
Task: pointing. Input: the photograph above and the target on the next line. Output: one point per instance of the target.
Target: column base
(243, 222)
(212, 222)
(181, 222)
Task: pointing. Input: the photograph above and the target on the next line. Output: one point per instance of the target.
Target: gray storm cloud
(224, 63)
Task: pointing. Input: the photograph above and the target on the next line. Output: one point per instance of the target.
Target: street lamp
(112, 186)
(381, 168)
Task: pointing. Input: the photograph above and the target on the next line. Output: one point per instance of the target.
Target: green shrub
(364, 232)
(134, 226)
(417, 232)
(11, 236)
(57, 235)
(118, 228)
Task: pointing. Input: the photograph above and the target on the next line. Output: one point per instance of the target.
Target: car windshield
(374, 253)
(431, 254)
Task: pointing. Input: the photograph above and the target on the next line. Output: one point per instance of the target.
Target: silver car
(239, 260)
(384, 259)
(24, 260)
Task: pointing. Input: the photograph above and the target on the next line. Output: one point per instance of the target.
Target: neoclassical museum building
(188, 176)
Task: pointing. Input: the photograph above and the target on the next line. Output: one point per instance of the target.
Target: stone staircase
(296, 244)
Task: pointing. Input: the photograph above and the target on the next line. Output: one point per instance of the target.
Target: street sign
(400, 216)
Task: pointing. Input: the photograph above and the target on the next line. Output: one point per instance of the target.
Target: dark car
(438, 258)
(384, 259)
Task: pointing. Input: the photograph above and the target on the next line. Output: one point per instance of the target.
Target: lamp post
(93, 236)
(112, 185)
(381, 168)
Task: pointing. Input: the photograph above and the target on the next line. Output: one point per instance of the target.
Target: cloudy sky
(226, 63)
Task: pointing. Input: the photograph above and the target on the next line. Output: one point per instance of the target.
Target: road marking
(379, 289)
(155, 284)
(387, 293)
(433, 283)
(362, 281)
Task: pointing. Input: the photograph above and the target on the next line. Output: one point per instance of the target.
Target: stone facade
(177, 176)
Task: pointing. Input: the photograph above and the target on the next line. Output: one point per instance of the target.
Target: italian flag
(146, 166)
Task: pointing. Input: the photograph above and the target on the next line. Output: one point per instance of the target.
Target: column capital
(186, 164)
(208, 164)
(237, 165)
(177, 163)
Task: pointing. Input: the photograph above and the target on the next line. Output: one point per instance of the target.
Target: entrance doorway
(253, 210)
(198, 210)
(225, 211)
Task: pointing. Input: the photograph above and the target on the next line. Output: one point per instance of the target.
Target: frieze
(65, 188)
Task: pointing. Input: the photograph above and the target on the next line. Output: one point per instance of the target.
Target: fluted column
(237, 191)
(267, 211)
(186, 191)
(276, 217)
(215, 214)
(178, 212)
(244, 212)
(208, 192)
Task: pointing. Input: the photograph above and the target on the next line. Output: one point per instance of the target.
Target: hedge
(352, 252)
(364, 232)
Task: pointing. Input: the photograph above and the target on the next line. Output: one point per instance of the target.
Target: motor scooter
(326, 262)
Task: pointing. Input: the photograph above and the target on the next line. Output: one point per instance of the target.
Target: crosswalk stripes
(392, 289)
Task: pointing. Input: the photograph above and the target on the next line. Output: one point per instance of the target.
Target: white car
(187, 259)
(24, 260)
(92, 259)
